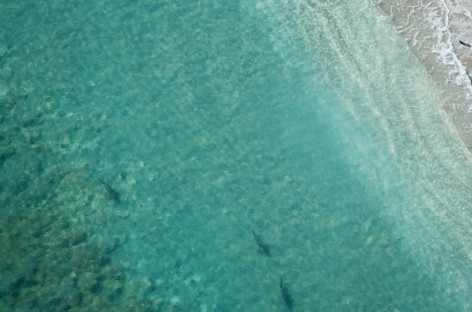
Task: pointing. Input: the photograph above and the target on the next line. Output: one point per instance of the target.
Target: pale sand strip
(433, 29)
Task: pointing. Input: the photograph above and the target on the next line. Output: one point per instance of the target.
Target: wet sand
(433, 30)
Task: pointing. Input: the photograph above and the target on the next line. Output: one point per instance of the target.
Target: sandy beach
(434, 30)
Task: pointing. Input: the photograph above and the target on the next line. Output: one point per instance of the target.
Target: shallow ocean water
(141, 145)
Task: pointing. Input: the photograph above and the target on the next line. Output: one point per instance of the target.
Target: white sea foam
(433, 29)
(445, 48)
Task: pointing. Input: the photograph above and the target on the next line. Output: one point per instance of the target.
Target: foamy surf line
(434, 30)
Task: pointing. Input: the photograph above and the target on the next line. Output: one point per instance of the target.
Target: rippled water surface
(225, 156)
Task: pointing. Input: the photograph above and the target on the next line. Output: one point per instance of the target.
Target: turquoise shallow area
(149, 151)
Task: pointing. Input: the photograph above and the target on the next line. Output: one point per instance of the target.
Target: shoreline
(432, 29)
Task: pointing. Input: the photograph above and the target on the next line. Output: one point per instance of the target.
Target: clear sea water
(143, 143)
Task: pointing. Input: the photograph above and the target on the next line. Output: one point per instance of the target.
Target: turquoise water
(141, 145)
